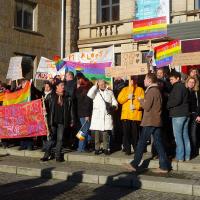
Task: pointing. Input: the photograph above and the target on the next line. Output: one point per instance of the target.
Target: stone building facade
(30, 29)
(97, 32)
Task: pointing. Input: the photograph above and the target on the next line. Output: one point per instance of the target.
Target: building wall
(98, 35)
(94, 35)
(184, 11)
(44, 42)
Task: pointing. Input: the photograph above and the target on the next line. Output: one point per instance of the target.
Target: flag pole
(45, 119)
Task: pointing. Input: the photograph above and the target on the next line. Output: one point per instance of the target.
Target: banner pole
(113, 64)
(44, 114)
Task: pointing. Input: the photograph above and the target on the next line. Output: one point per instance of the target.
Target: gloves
(132, 107)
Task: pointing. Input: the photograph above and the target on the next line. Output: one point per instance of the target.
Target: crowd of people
(160, 108)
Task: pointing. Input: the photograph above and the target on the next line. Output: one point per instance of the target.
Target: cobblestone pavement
(15, 187)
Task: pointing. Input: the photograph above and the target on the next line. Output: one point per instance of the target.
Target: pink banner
(22, 120)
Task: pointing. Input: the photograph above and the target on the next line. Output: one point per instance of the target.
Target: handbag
(81, 135)
(109, 107)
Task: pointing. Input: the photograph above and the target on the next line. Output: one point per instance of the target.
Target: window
(24, 14)
(197, 4)
(27, 65)
(117, 59)
(108, 10)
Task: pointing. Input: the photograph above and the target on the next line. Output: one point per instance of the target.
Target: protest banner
(92, 71)
(15, 68)
(47, 69)
(164, 53)
(149, 29)
(131, 58)
(186, 59)
(1, 96)
(121, 71)
(22, 120)
(20, 96)
(96, 56)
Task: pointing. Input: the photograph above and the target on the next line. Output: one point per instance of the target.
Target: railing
(105, 29)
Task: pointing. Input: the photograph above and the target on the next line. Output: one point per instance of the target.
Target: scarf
(46, 94)
(60, 98)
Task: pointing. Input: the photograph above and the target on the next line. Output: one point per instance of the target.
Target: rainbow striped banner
(1, 96)
(149, 28)
(58, 62)
(164, 53)
(19, 96)
(92, 71)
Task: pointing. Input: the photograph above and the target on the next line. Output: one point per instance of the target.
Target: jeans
(144, 137)
(57, 136)
(85, 130)
(180, 129)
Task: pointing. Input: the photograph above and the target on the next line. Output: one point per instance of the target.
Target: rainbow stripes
(59, 62)
(149, 28)
(92, 71)
(19, 96)
(164, 53)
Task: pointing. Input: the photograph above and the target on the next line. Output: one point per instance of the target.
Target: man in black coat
(61, 116)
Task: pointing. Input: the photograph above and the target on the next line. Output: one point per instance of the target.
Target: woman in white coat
(102, 121)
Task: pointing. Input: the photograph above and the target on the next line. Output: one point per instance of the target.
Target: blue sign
(146, 9)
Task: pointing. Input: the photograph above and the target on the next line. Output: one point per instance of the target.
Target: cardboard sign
(120, 71)
(131, 58)
(22, 120)
(186, 59)
(47, 69)
(15, 68)
(96, 56)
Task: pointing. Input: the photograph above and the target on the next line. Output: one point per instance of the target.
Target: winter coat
(101, 120)
(152, 105)
(70, 88)
(84, 103)
(127, 113)
(178, 101)
(69, 115)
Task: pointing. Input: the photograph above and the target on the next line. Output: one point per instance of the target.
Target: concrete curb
(160, 184)
(109, 160)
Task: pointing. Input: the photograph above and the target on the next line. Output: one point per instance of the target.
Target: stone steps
(117, 158)
(174, 182)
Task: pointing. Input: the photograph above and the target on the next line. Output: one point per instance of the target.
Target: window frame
(110, 6)
(196, 4)
(34, 7)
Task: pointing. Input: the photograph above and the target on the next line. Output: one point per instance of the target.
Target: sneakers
(160, 171)
(129, 167)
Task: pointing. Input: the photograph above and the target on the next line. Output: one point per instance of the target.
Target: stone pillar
(71, 26)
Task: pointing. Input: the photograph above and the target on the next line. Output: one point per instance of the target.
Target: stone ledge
(193, 165)
(161, 184)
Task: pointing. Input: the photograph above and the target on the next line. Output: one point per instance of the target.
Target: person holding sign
(151, 124)
(131, 115)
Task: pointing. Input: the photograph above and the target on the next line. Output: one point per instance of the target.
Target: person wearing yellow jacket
(131, 115)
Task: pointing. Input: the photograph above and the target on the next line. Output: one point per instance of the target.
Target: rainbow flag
(148, 29)
(20, 96)
(1, 96)
(164, 53)
(92, 71)
(59, 62)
